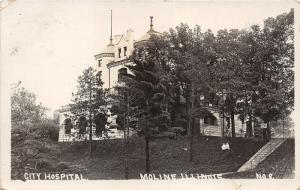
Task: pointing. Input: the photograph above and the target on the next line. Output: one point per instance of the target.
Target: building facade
(110, 62)
(112, 59)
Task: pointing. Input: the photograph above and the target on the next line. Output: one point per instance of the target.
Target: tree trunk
(223, 123)
(232, 124)
(126, 169)
(91, 127)
(147, 170)
(176, 110)
(268, 131)
(188, 112)
(249, 126)
(192, 140)
(126, 128)
(227, 125)
(126, 147)
(188, 107)
(127, 152)
(191, 127)
(91, 139)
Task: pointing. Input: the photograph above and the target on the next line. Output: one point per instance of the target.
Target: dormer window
(125, 51)
(119, 52)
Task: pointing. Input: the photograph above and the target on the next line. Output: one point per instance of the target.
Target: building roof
(63, 109)
(108, 51)
(117, 63)
(148, 35)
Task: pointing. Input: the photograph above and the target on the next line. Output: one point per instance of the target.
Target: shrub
(81, 146)
(167, 134)
(49, 129)
(45, 166)
(62, 166)
(178, 130)
(28, 144)
(27, 147)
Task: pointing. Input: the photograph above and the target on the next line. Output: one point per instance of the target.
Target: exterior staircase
(262, 154)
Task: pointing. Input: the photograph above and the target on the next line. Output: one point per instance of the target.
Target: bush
(62, 166)
(167, 134)
(81, 146)
(178, 130)
(28, 145)
(50, 130)
(45, 166)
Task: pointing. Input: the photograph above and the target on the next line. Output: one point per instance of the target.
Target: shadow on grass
(280, 164)
(167, 156)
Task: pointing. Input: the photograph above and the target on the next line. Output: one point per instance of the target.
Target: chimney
(129, 34)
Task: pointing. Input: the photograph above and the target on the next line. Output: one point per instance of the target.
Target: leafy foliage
(24, 108)
(90, 97)
(268, 64)
(31, 131)
(146, 81)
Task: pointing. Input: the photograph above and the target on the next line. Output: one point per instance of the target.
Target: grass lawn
(167, 156)
(281, 163)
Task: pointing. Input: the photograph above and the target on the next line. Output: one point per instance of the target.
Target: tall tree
(24, 108)
(228, 70)
(191, 54)
(89, 100)
(125, 105)
(269, 60)
(145, 79)
(28, 131)
(276, 78)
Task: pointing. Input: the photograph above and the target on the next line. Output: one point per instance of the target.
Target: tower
(112, 59)
(104, 57)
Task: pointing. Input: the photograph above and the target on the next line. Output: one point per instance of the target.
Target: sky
(46, 44)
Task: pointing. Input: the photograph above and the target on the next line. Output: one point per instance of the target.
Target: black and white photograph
(182, 92)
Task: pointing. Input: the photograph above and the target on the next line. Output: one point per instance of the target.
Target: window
(210, 120)
(119, 52)
(82, 124)
(98, 76)
(125, 50)
(68, 126)
(121, 73)
(99, 62)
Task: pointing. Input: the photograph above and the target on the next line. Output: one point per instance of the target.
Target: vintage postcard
(149, 95)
